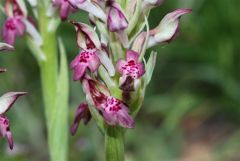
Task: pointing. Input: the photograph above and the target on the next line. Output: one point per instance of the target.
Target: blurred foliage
(192, 105)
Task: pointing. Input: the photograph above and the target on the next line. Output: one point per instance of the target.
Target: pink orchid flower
(6, 102)
(130, 69)
(18, 23)
(12, 28)
(88, 57)
(113, 110)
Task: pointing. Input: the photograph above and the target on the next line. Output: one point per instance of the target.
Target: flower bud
(86, 36)
(116, 20)
(168, 27)
(130, 69)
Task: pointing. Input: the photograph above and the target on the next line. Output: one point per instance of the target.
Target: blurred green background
(192, 106)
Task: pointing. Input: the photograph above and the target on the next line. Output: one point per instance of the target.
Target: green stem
(56, 117)
(114, 143)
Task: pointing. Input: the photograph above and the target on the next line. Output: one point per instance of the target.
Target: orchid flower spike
(6, 102)
(123, 42)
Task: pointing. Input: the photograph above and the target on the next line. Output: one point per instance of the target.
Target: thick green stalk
(114, 143)
(55, 101)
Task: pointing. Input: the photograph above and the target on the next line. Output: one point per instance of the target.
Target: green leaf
(150, 67)
(59, 123)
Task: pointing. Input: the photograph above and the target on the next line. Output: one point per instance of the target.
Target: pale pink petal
(75, 61)
(116, 113)
(9, 37)
(120, 63)
(139, 42)
(20, 27)
(5, 47)
(79, 71)
(64, 11)
(132, 55)
(109, 118)
(151, 3)
(141, 69)
(93, 63)
(122, 36)
(57, 2)
(86, 86)
(90, 7)
(106, 62)
(124, 119)
(8, 99)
